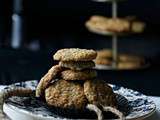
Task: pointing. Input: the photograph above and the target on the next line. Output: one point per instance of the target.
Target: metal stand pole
(114, 50)
(114, 9)
(114, 37)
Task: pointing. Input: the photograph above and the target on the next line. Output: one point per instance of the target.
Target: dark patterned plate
(132, 103)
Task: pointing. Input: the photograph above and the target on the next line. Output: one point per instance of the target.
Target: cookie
(79, 65)
(79, 75)
(129, 65)
(118, 25)
(105, 53)
(137, 27)
(99, 93)
(65, 94)
(75, 54)
(99, 18)
(115, 25)
(96, 26)
(47, 78)
(130, 58)
(103, 61)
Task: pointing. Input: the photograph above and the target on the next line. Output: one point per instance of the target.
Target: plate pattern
(140, 104)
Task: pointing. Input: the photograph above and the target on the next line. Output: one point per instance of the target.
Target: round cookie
(103, 61)
(79, 75)
(47, 78)
(79, 65)
(105, 53)
(129, 65)
(99, 93)
(75, 54)
(99, 18)
(116, 25)
(130, 58)
(137, 26)
(65, 94)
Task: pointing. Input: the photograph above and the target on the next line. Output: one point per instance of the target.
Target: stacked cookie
(59, 87)
(78, 63)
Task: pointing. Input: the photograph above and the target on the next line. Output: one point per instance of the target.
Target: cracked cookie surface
(65, 94)
(78, 75)
(75, 54)
(79, 65)
(99, 93)
(47, 78)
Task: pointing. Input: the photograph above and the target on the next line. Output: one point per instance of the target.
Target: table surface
(155, 116)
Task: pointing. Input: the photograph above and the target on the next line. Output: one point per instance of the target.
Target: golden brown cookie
(130, 58)
(47, 78)
(105, 53)
(75, 54)
(99, 93)
(129, 65)
(103, 61)
(79, 65)
(115, 25)
(99, 18)
(79, 75)
(65, 94)
(118, 25)
(137, 27)
(96, 27)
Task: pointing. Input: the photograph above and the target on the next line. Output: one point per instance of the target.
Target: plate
(138, 105)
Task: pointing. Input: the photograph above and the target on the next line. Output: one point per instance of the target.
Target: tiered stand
(114, 35)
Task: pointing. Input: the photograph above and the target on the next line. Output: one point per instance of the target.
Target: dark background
(58, 24)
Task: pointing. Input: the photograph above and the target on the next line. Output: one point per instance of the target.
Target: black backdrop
(58, 24)
(61, 22)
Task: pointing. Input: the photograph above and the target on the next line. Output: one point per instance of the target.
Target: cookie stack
(60, 89)
(78, 63)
